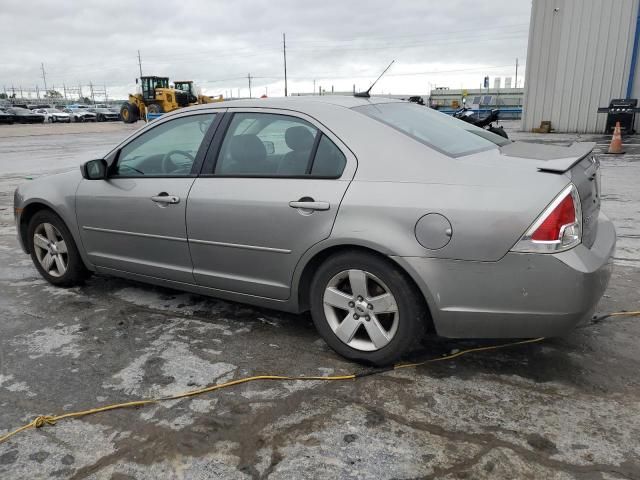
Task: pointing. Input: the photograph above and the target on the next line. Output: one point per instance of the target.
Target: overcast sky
(450, 43)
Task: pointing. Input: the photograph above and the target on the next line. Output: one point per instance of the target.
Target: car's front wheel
(366, 308)
(53, 250)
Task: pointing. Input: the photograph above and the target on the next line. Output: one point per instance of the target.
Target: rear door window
(274, 145)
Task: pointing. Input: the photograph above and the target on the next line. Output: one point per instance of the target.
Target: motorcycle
(467, 115)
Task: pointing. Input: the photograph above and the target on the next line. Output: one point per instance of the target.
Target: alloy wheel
(361, 310)
(50, 249)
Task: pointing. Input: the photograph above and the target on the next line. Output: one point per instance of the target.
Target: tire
(498, 131)
(129, 113)
(44, 227)
(51, 120)
(155, 108)
(401, 329)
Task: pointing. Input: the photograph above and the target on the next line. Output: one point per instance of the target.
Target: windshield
(446, 134)
(52, 110)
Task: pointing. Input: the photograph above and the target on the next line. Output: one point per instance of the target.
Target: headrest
(247, 148)
(299, 138)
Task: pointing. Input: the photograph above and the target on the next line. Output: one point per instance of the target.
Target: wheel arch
(28, 211)
(307, 271)
(38, 205)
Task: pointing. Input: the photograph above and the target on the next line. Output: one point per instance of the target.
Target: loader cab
(188, 87)
(149, 85)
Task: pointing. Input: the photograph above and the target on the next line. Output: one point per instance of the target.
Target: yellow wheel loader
(195, 98)
(156, 97)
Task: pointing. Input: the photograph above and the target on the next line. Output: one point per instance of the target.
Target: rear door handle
(165, 198)
(310, 205)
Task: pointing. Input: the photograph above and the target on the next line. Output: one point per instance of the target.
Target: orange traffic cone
(616, 141)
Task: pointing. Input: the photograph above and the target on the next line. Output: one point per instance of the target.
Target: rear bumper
(521, 295)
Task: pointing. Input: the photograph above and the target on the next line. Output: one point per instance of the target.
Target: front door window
(169, 149)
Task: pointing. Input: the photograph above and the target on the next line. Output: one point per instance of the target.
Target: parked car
(80, 114)
(22, 115)
(53, 115)
(6, 117)
(383, 218)
(104, 114)
(37, 106)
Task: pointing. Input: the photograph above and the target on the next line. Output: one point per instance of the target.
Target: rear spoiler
(550, 158)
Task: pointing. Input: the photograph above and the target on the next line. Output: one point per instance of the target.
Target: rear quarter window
(448, 135)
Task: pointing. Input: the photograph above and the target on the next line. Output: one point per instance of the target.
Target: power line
(366, 36)
(475, 40)
(316, 76)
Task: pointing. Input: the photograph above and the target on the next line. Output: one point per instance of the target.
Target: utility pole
(93, 99)
(284, 52)
(516, 73)
(64, 91)
(314, 86)
(249, 78)
(140, 63)
(44, 77)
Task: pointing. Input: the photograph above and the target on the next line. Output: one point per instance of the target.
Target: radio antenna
(365, 94)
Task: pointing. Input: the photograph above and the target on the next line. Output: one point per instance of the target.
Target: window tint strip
(314, 150)
(211, 157)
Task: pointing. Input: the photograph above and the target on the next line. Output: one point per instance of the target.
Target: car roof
(299, 102)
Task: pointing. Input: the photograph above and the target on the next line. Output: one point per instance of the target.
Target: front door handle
(310, 205)
(165, 198)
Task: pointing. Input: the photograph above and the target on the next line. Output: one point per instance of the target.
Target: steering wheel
(169, 166)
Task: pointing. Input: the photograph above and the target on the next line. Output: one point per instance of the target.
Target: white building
(581, 54)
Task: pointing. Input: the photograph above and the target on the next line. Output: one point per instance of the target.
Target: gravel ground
(565, 408)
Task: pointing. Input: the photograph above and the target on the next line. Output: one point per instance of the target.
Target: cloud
(335, 43)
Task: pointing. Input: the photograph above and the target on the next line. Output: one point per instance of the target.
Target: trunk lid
(578, 162)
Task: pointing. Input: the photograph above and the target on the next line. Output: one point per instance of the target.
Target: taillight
(558, 228)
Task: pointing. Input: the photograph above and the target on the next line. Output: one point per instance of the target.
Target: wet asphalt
(564, 408)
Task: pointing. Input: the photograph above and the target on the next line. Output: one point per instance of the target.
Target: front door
(271, 193)
(135, 220)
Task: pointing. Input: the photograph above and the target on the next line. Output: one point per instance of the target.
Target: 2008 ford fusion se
(383, 218)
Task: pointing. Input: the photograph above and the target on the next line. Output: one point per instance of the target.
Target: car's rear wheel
(53, 250)
(366, 308)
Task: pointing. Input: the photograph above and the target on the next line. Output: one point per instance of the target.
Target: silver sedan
(385, 219)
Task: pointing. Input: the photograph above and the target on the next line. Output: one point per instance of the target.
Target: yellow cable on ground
(43, 420)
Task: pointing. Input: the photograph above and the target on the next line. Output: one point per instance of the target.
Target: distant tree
(3, 96)
(86, 100)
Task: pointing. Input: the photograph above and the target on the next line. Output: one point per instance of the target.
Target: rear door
(134, 221)
(270, 190)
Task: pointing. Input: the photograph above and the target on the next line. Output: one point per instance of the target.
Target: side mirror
(94, 169)
(271, 149)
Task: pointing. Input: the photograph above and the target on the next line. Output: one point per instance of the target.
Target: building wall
(578, 59)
